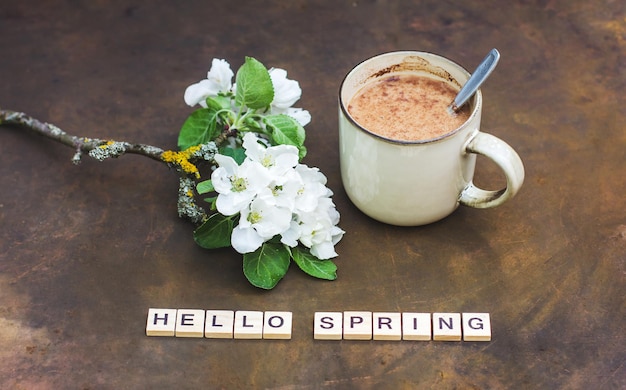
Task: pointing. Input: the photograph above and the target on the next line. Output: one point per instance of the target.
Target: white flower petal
(221, 176)
(233, 202)
(277, 159)
(267, 219)
(324, 250)
(254, 150)
(286, 92)
(245, 240)
(198, 92)
(227, 162)
(219, 79)
(337, 234)
(237, 185)
(257, 176)
(302, 116)
(220, 75)
(221, 181)
(290, 236)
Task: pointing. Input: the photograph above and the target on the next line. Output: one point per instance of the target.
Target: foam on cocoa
(407, 107)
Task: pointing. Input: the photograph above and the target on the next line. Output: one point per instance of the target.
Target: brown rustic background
(86, 250)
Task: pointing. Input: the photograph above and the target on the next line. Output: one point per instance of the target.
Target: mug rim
(476, 100)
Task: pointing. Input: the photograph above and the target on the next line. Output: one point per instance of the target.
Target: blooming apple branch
(260, 199)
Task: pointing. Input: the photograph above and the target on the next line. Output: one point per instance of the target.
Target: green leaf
(218, 103)
(212, 201)
(238, 154)
(285, 130)
(265, 267)
(199, 128)
(301, 152)
(215, 232)
(322, 269)
(253, 125)
(254, 85)
(204, 187)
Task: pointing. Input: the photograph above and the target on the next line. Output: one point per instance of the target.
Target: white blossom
(318, 230)
(219, 79)
(284, 190)
(277, 159)
(301, 115)
(237, 185)
(291, 236)
(258, 223)
(245, 240)
(276, 196)
(313, 188)
(286, 91)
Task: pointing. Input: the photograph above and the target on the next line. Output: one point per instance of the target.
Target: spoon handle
(481, 73)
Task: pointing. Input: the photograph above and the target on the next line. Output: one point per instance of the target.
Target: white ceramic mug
(416, 183)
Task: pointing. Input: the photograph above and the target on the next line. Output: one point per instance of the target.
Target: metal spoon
(475, 81)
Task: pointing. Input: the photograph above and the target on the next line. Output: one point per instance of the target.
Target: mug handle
(506, 158)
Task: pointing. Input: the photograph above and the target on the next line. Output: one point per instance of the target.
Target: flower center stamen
(239, 184)
(255, 217)
(267, 161)
(276, 190)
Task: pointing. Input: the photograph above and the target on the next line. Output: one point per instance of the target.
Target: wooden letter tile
(277, 325)
(387, 326)
(161, 322)
(219, 324)
(190, 323)
(476, 327)
(248, 324)
(447, 326)
(416, 326)
(328, 326)
(357, 325)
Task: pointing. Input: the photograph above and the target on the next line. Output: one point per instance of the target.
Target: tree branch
(100, 150)
(97, 148)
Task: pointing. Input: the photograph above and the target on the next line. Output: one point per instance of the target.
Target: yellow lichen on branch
(107, 144)
(181, 159)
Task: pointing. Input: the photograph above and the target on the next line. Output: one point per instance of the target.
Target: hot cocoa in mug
(405, 160)
(407, 107)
